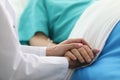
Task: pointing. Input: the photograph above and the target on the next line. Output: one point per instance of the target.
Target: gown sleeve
(34, 19)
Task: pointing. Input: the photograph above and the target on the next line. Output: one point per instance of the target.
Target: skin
(39, 39)
(84, 54)
(77, 51)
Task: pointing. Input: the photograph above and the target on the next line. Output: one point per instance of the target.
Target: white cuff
(40, 51)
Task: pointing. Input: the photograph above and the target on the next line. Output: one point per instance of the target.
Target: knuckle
(67, 53)
(73, 50)
(82, 51)
(85, 46)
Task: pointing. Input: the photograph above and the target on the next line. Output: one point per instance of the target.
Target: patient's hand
(83, 54)
(75, 63)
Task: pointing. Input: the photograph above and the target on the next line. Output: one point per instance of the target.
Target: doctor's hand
(60, 49)
(63, 47)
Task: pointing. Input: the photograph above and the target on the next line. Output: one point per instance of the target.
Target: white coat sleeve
(40, 51)
(18, 65)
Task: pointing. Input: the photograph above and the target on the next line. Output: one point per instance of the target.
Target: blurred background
(18, 6)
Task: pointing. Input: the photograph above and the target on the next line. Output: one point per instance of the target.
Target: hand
(75, 64)
(78, 40)
(83, 54)
(60, 49)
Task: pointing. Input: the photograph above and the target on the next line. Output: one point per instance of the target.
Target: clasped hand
(77, 51)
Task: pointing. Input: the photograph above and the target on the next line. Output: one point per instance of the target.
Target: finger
(70, 55)
(95, 51)
(78, 55)
(89, 51)
(78, 40)
(85, 43)
(84, 54)
(71, 46)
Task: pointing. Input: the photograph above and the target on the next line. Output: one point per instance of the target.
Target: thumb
(72, 46)
(95, 51)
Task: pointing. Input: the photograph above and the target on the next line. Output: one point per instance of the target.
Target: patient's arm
(40, 39)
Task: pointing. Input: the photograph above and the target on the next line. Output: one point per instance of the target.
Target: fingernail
(80, 45)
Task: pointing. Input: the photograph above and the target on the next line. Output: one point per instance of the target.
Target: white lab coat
(25, 62)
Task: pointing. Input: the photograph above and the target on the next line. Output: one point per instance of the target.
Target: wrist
(50, 43)
(68, 59)
(48, 51)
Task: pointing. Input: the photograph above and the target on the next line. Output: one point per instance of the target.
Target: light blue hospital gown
(107, 66)
(54, 18)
